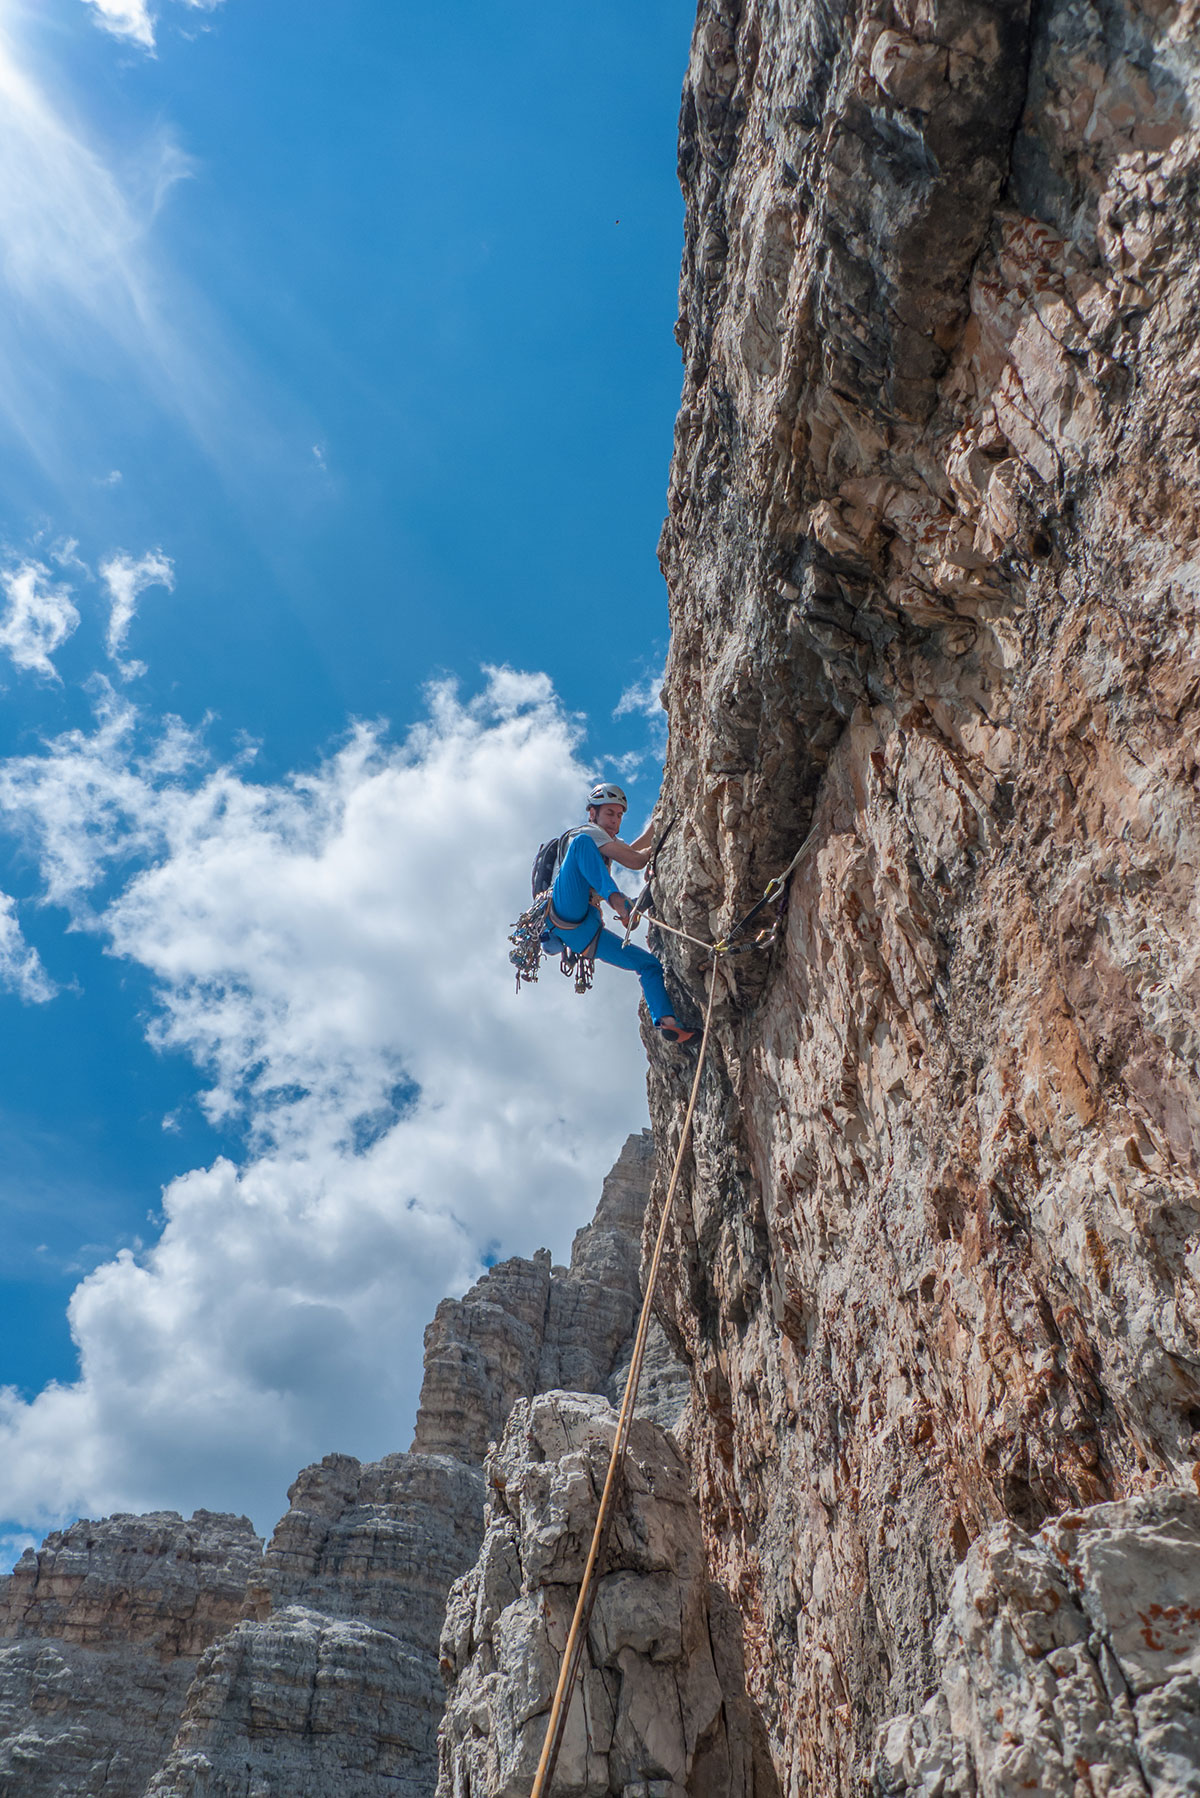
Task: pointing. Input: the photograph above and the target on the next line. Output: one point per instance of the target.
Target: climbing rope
(774, 890)
(577, 1637)
(675, 931)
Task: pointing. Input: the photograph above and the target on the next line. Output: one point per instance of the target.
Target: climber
(583, 880)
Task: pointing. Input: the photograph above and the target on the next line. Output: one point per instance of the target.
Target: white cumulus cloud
(126, 579)
(38, 617)
(21, 970)
(643, 698)
(330, 951)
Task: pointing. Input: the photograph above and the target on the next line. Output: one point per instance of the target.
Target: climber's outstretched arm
(629, 855)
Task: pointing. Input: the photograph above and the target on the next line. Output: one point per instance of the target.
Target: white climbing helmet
(603, 794)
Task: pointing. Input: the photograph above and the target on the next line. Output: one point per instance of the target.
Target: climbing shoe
(675, 1033)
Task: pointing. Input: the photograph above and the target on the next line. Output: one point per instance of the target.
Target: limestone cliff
(932, 558)
(146, 1655)
(661, 1701)
(100, 1633)
(330, 1683)
(1068, 1663)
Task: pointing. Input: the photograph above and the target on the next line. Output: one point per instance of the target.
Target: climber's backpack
(548, 861)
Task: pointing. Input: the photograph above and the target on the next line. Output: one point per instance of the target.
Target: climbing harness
(526, 934)
(581, 963)
(577, 1635)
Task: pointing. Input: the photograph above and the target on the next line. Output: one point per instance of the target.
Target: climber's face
(608, 817)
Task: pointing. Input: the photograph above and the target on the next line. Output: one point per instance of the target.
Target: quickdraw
(775, 892)
(643, 898)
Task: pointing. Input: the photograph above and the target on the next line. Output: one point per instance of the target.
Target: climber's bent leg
(647, 967)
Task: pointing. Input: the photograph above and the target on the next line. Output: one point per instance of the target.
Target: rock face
(1074, 1656)
(152, 1656)
(660, 1705)
(100, 1633)
(935, 1266)
(333, 1685)
(527, 1327)
(932, 562)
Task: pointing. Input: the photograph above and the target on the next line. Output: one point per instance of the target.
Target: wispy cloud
(73, 250)
(38, 618)
(126, 18)
(21, 970)
(86, 289)
(330, 951)
(642, 697)
(126, 579)
(68, 225)
(134, 20)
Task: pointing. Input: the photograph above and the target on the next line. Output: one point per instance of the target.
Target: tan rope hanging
(577, 1637)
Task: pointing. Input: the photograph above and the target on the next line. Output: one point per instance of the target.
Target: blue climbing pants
(584, 871)
(611, 949)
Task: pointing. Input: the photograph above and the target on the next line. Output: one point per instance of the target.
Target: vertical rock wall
(932, 555)
(660, 1710)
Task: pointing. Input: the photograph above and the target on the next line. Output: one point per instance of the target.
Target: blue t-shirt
(583, 871)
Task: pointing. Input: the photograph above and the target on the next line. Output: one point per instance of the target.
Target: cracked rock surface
(660, 1709)
(932, 559)
(327, 1685)
(100, 1634)
(1070, 1661)
(528, 1326)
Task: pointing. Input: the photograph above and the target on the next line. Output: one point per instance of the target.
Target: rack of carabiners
(576, 1643)
(526, 952)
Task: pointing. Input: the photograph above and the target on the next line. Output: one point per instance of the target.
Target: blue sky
(336, 369)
